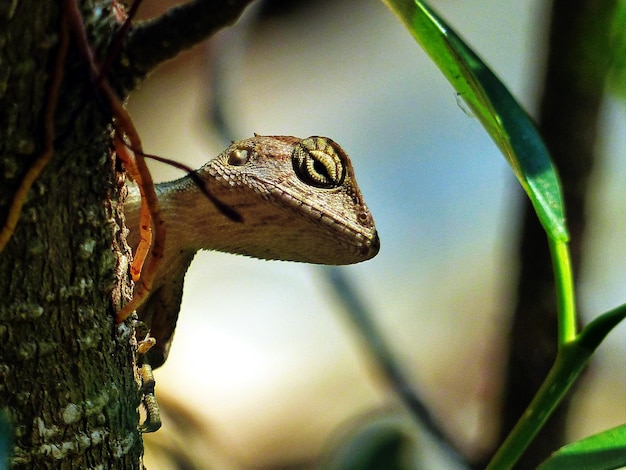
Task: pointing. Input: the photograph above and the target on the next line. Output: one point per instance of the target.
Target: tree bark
(66, 371)
(68, 381)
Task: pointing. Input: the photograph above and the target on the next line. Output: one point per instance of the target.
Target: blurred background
(266, 370)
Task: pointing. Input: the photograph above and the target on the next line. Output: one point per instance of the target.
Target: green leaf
(594, 333)
(602, 451)
(570, 361)
(382, 442)
(504, 119)
(617, 46)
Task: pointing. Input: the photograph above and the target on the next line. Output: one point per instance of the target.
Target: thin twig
(152, 42)
(125, 130)
(226, 211)
(115, 48)
(124, 126)
(361, 319)
(145, 218)
(48, 137)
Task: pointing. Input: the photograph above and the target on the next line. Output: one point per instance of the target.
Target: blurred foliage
(617, 49)
(379, 443)
(599, 49)
(603, 46)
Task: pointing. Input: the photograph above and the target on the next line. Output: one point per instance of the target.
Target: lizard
(294, 199)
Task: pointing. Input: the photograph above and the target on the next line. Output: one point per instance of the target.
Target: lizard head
(298, 200)
(269, 197)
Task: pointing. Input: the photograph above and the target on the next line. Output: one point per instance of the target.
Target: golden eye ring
(316, 162)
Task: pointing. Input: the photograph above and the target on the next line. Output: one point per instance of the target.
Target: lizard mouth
(310, 211)
(373, 246)
(335, 236)
(356, 233)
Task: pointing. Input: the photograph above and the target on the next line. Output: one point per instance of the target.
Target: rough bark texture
(68, 381)
(66, 371)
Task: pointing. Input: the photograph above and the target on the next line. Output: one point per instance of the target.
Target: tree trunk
(67, 380)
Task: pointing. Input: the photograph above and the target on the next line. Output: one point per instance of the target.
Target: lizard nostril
(364, 217)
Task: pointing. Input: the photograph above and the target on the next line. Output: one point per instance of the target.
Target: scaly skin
(297, 200)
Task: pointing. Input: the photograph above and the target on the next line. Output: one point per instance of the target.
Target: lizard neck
(186, 211)
(297, 199)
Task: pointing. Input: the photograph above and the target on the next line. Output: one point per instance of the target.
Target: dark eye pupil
(317, 162)
(321, 169)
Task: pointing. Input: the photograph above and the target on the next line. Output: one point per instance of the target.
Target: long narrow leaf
(571, 360)
(598, 452)
(594, 333)
(504, 119)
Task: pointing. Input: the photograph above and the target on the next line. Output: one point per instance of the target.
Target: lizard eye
(316, 162)
(238, 157)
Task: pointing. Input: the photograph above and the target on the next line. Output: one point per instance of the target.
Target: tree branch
(154, 41)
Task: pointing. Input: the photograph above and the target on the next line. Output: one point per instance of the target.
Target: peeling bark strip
(124, 128)
(67, 377)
